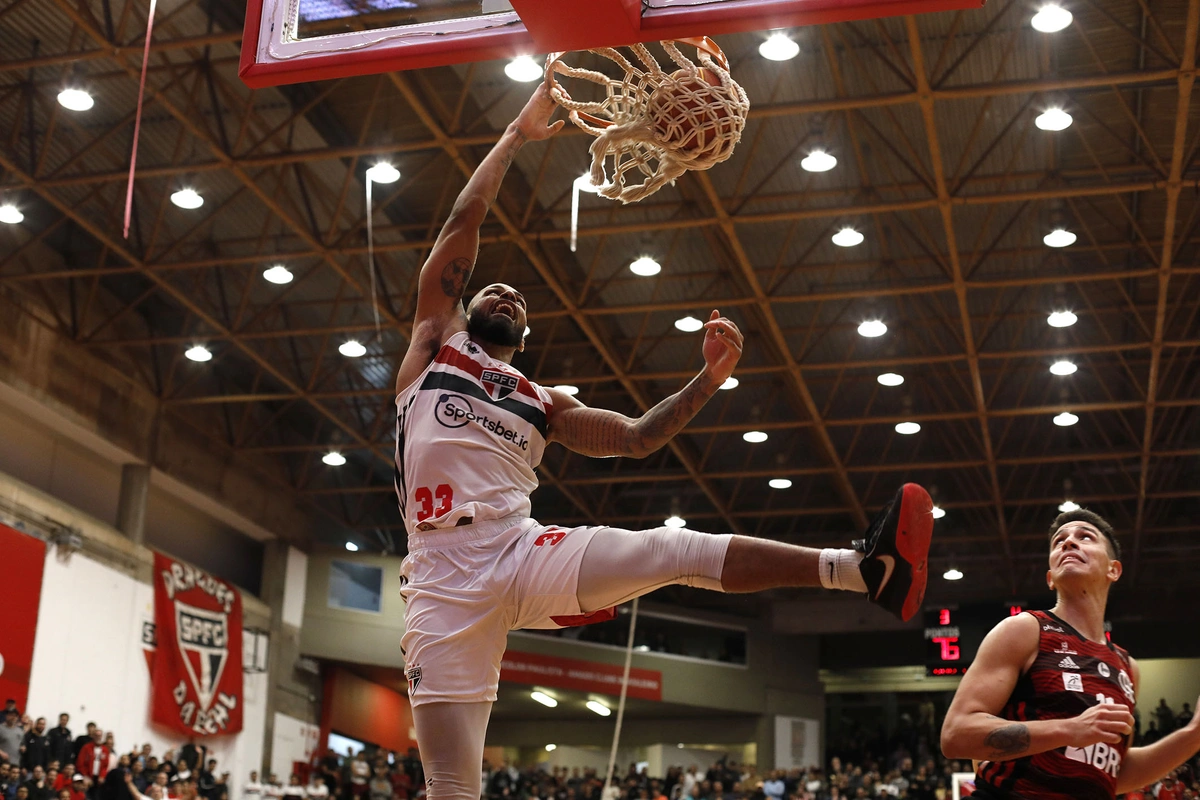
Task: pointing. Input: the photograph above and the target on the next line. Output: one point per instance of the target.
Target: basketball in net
(652, 126)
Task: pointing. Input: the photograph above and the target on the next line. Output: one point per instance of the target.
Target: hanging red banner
(196, 678)
(24, 558)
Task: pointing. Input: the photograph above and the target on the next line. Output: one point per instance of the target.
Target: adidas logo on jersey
(1068, 663)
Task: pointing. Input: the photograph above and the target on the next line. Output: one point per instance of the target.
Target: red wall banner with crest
(196, 676)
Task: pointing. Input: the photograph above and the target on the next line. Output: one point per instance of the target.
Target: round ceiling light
(1053, 119)
(890, 379)
(848, 237)
(75, 100)
(645, 267)
(523, 69)
(779, 47)
(187, 198)
(818, 161)
(872, 328)
(1051, 18)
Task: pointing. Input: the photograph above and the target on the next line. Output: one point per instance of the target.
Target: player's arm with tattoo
(601, 433)
(973, 728)
(444, 276)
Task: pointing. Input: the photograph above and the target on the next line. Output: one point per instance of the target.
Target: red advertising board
(24, 558)
(585, 676)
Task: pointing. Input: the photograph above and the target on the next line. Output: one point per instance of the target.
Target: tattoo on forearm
(455, 277)
(511, 152)
(1008, 741)
(669, 417)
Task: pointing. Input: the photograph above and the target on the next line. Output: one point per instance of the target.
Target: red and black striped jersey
(1069, 675)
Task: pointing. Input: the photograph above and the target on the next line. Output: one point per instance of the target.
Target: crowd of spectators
(37, 763)
(54, 764)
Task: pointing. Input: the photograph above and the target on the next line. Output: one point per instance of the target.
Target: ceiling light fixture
(1061, 319)
(674, 521)
(890, 379)
(10, 214)
(1066, 419)
(872, 328)
(848, 237)
(352, 547)
(278, 274)
(1063, 367)
(523, 69)
(187, 198)
(352, 349)
(754, 437)
(198, 352)
(544, 699)
(550, 748)
(780, 483)
(908, 428)
(1053, 119)
(730, 383)
(689, 324)
(599, 708)
(75, 99)
(383, 172)
(818, 161)
(333, 458)
(1059, 237)
(1051, 18)
(779, 47)
(567, 389)
(645, 267)
(938, 512)
(952, 574)
(1068, 505)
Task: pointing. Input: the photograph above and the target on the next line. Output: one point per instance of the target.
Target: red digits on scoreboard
(944, 617)
(950, 649)
(443, 494)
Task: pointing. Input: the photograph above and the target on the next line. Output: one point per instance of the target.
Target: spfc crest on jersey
(499, 385)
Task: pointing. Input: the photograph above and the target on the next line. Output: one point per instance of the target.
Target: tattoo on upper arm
(455, 277)
(1009, 740)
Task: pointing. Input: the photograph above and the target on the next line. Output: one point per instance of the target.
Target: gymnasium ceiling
(940, 166)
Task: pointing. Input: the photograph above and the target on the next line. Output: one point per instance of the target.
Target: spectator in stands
(61, 748)
(252, 789)
(92, 762)
(206, 780)
(1185, 716)
(316, 788)
(271, 789)
(77, 790)
(10, 737)
(379, 787)
(35, 747)
(138, 774)
(192, 756)
(39, 788)
(294, 789)
(773, 787)
(82, 741)
(1165, 717)
(22, 793)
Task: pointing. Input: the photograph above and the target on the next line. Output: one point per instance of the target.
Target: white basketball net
(655, 125)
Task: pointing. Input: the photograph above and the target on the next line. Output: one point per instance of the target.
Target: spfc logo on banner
(499, 385)
(203, 638)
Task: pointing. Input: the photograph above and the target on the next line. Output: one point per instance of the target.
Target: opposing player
(1047, 706)
(470, 432)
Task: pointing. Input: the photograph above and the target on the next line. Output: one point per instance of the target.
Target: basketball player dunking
(470, 432)
(1047, 706)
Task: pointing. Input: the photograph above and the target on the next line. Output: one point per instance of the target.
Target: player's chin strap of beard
(494, 332)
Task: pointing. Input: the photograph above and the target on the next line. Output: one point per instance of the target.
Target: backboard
(290, 41)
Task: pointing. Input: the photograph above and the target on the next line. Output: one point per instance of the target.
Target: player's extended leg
(451, 739)
(889, 564)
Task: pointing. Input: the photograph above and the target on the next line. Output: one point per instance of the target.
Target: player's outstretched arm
(973, 728)
(601, 433)
(446, 273)
(1143, 766)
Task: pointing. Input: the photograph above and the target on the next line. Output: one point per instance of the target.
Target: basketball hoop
(654, 124)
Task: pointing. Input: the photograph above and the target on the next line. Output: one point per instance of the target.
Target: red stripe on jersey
(454, 358)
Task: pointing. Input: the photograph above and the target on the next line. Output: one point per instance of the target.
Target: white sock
(839, 570)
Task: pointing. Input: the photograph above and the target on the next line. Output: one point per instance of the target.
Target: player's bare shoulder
(1014, 639)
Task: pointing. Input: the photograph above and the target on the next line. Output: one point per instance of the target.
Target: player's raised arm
(601, 433)
(1143, 766)
(973, 727)
(445, 274)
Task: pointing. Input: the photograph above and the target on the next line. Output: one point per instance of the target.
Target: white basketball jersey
(469, 433)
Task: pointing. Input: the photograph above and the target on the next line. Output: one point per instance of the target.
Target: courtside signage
(196, 675)
(584, 676)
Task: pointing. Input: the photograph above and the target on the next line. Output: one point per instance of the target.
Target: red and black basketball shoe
(896, 552)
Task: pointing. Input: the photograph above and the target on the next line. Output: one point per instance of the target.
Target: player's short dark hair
(1094, 519)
